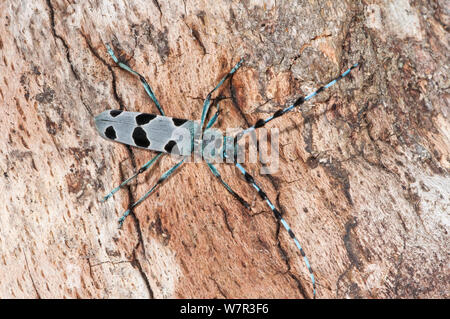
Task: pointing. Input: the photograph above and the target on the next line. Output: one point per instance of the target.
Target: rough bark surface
(364, 168)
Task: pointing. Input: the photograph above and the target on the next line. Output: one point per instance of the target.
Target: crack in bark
(135, 261)
(84, 103)
(66, 47)
(225, 218)
(31, 277)
(196, 35)
(156, 3)
(349, 245)
(197, 38)
(236, 104)
(131, 201)
(90, 269)
(214, 101)
(307, 44)
(110, 262)
(113, 82)
(219, 288)
(52, 25)
(354, 260)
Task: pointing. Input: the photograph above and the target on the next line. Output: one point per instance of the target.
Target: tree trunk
(363, 177)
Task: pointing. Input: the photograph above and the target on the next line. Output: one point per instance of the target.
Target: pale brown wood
(363, 177)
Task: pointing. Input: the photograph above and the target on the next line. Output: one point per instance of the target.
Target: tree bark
(363, 176)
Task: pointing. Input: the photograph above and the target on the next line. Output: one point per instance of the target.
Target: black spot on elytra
(169, 146)
(178, 122)
(115, 113)
(140, 137)
(110, 132)
(144, 118)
